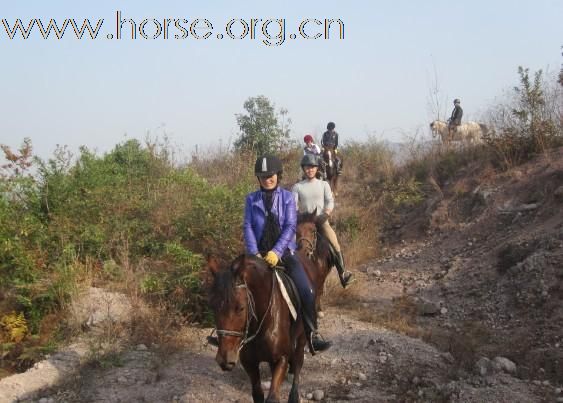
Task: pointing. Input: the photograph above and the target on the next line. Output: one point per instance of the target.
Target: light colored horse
(470, 132)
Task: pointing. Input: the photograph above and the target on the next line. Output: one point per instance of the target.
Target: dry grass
(463, 344)
(157, 326)
(220, 166)
(399, 317)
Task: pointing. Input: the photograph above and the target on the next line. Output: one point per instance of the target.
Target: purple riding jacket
(283, 206)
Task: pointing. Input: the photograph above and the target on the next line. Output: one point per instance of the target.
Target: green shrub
(406, 192)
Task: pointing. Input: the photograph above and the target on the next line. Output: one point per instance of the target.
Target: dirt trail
(366, 364)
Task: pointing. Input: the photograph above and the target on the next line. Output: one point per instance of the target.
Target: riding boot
(314, 340)
(344, 275)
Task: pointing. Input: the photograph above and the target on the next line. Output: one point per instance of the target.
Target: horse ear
(239, 265)
(315, 212)
(213, 264)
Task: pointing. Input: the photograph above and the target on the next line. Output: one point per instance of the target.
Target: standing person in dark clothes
(455, 119)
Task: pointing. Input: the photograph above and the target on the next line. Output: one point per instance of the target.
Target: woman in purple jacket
(270, 221)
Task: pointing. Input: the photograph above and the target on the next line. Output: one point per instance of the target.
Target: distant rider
(455, 119)
(330, 139)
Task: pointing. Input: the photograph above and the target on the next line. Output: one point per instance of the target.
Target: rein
(251, 314)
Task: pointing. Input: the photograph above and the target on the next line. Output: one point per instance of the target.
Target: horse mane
(222, 290)
(306, 217)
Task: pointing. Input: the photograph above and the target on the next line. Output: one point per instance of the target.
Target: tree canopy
(262, 129)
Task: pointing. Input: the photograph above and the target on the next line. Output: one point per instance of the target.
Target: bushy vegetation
(98, 218)
(529, 122)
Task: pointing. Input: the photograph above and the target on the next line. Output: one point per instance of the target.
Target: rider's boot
(344, 275)
(314, 340)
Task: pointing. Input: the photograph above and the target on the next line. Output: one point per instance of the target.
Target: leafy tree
(263, 130)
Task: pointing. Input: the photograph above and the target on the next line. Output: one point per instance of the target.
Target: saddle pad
(285, 295)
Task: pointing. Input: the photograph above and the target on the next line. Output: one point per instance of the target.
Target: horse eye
(239, 308)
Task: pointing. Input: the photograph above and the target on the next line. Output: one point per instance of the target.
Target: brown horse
(316, 247)
(331, 170)
(254, 324)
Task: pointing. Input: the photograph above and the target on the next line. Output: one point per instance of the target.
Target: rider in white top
(312, 194)
(310, 146)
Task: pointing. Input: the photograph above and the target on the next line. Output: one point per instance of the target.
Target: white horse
(470, 132)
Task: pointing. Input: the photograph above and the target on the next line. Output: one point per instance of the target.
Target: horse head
(232, 304)
(307, 231)
(253, 324)
(441, 129)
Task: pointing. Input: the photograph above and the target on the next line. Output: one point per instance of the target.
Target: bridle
(311, 244)
(251, 314)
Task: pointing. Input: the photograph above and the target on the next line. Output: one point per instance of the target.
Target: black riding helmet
(267, 165)
(309, 159)
(330, 126)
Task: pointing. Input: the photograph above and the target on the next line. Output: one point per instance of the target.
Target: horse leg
(297, 362)
(253, 371)
(279, 370)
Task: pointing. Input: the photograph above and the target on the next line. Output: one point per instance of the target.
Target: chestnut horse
(254, 323)
(317, 248)
(331, 170)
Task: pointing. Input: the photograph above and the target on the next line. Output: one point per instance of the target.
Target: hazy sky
(374, 81)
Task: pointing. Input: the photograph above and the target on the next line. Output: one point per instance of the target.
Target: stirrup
(317, 344)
